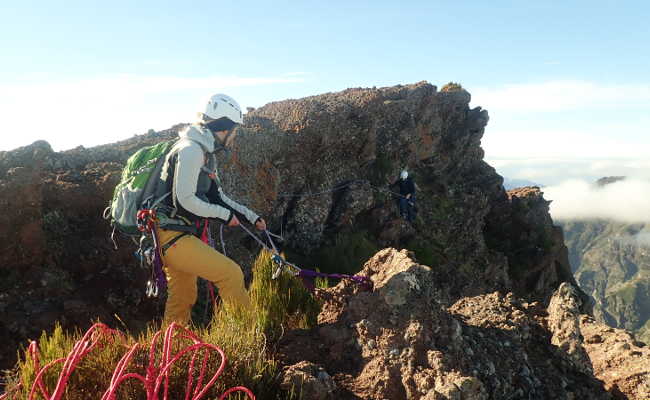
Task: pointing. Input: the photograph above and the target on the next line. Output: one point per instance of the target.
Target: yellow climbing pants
(188, 258)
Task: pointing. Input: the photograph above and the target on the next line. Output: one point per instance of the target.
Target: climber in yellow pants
(189, 258)
(192, 195)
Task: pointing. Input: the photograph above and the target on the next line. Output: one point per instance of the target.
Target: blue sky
(563, 81)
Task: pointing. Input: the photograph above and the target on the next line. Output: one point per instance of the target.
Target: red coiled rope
(156, 377)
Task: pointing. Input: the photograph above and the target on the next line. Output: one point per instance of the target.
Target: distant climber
(190, 174)
(407, 196)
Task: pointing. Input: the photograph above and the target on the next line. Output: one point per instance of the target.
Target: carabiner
(152, 289)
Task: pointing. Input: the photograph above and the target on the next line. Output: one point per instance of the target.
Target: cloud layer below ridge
(624, 201)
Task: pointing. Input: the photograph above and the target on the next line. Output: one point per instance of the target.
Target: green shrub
(452, 87)
(427, 253)
(282, 303)
(347, 254)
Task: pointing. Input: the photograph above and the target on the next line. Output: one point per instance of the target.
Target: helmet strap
(222, 142)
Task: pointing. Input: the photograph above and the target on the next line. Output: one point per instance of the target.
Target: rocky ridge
(403, 342)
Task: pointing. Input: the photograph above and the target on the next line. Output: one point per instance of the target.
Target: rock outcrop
(534, 245)
(403, 342)
(618, 359)
(604, 181)
(564, 324)
(481, 238)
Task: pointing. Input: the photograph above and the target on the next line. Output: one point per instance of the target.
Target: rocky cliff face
(470, 238)
(58, 263)
(482, 238)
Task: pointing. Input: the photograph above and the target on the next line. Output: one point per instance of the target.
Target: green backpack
(138, 187)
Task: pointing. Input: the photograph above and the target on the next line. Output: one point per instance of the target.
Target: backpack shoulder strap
(171, 163)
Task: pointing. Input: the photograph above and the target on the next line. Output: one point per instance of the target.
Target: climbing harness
(150, 254)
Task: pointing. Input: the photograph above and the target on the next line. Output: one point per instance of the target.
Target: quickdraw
(307, 276)
(283, 265)
(149, 254)
(146, 220)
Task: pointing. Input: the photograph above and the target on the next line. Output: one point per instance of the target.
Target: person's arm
(410, 188)
(245, 211)
(188, 166)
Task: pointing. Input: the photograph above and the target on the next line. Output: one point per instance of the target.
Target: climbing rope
(156, 376)
(146, 223)
(339, 187)
(307, 276)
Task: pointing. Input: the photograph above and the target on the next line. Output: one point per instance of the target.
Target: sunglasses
(221, 124)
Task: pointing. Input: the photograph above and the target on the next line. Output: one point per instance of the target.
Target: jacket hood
(200, 135)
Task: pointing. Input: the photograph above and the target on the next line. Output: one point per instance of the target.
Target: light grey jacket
(195, 160)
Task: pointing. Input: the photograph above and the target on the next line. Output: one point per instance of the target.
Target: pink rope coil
(156, 375)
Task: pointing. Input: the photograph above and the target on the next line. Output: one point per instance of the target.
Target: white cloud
(641, 239)
(552, 171)
(106, 109)
(624, 201)
(554, 96)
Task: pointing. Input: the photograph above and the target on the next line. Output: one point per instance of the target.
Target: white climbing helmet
(404, 174)
(222, 106)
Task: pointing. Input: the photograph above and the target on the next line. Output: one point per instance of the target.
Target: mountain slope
(613, 266)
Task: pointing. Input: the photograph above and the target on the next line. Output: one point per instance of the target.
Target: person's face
(221, 136)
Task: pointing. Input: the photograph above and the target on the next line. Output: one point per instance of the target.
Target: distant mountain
(510, 184)
(611, 262)
(609, 179)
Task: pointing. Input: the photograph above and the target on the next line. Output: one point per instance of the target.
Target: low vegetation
(452, 87)
(247, 339)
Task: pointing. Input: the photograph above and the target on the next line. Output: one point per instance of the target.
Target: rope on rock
(339, 187)
(307, 276)
(156, 377)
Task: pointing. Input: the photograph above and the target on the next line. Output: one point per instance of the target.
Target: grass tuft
(247, 337)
